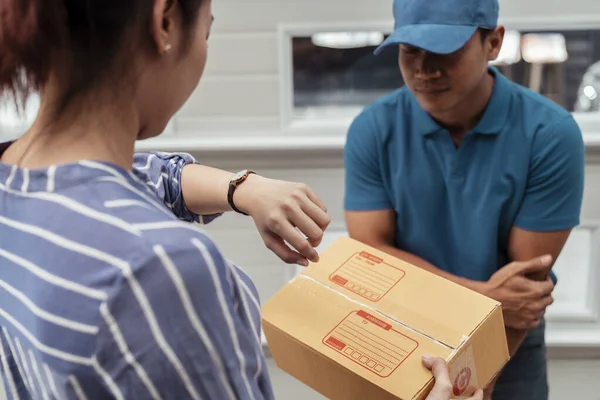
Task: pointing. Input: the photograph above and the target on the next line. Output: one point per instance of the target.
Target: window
(335, 74)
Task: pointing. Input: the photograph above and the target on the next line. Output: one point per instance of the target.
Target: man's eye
(410, 50)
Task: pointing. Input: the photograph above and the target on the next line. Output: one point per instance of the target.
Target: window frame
(589, 123)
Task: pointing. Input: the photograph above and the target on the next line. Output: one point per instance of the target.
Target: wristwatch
(236, 181)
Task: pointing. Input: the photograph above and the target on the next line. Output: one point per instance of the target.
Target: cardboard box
(356, 324)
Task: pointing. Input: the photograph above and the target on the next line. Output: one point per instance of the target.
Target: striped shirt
(109, 289)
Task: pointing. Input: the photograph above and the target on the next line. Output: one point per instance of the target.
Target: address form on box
(371, 343)
(367, 275)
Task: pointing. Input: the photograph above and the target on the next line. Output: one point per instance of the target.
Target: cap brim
(439, 39)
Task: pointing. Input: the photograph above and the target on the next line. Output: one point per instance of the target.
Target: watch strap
(233, 185)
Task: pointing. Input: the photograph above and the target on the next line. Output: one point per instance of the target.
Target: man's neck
(465, 116)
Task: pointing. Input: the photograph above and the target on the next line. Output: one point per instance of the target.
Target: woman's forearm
(204, 189)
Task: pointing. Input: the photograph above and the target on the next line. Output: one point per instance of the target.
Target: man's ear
(163, 24)
(494, 42)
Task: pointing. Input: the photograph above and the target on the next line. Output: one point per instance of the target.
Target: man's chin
(435, 106)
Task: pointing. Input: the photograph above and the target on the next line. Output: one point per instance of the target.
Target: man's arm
(378, 229)
(526, 245)
(552, 202)
(523, 246)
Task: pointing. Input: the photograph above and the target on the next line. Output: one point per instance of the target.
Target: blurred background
(286, 77)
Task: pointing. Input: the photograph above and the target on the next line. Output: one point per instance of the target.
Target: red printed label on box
(371, 257)
(371, 343)
(367, 275)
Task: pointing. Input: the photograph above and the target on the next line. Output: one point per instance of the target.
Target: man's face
(442, 81)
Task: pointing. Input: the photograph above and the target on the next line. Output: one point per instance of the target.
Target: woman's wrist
(245, 196)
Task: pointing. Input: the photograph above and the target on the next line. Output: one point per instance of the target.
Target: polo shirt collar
(493, 119)
(423, 121)
(496, 113)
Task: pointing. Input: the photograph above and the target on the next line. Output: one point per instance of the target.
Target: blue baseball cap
(440, 26)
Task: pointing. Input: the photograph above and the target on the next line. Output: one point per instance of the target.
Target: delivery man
(468, 175)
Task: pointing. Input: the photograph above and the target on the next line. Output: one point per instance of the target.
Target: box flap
(422, 301)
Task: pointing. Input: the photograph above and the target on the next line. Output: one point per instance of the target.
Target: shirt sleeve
(554, 192)
(185, 325)
(364, 185)
(162, 173)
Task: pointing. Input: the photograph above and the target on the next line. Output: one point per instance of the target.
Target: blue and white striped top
(108, 289)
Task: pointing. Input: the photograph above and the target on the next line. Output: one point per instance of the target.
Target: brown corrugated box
(356, 324)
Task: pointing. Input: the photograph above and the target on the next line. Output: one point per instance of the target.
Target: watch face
(240, 175)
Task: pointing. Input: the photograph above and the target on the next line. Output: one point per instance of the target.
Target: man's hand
(442, 390)
(285, 212)
(524, 299)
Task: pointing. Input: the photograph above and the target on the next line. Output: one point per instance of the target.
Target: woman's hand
(285, 212)
(442, 390)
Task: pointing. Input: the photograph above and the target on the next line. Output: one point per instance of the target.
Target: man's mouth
(431, 90)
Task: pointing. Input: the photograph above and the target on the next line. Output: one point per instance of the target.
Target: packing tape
(376, 311)
(463, 372)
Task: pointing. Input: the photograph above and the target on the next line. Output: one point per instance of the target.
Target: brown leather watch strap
(233, 185)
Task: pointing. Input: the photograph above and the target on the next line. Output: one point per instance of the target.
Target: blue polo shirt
(522, 165)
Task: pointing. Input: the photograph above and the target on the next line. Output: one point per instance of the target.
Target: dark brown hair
(484, 33)
(83, 42)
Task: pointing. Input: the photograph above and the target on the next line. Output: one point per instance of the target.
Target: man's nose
(428, 67)
(428, 73)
